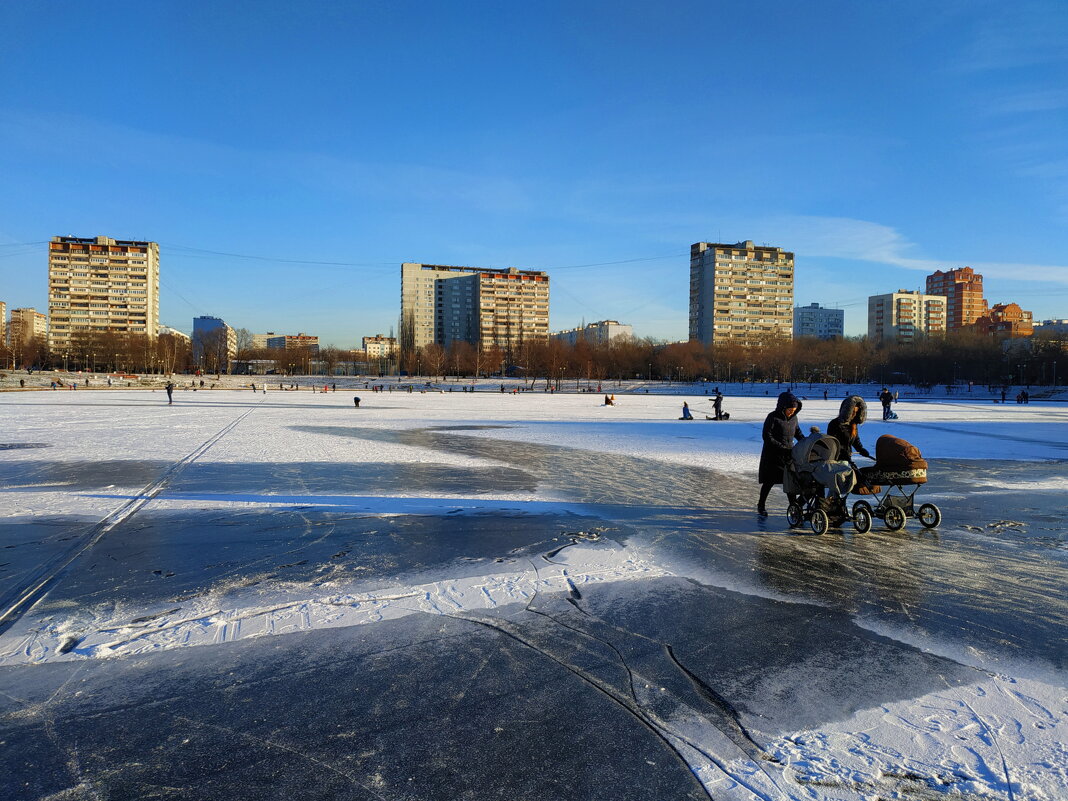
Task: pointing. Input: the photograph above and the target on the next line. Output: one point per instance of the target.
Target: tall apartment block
(299, 341)
(101, 284)
(963, 289)
(214, 335)
(600, 333)
(3, 323)
(27, 324)
(818, 321)
(445, 304)
(740, 293)
(903, 316)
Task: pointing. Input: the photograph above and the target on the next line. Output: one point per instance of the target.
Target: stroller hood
(815, 448)
(853, 402)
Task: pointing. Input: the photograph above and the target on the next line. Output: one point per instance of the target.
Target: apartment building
(260, 340)
(963, 290)
(214, 343)
(3, 323)
(818, 321)
(445, 304)
(1006, 320)
(599, 333)
(101, 284)
(166, 330)
(379, 347)
(26, 324)
(903, 316)
(740, 293)
(299, 341)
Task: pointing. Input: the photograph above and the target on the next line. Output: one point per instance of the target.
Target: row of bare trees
(959, 356)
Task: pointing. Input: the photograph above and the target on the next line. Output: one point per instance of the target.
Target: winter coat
(844, 427)
(886, 397)
(778, 435)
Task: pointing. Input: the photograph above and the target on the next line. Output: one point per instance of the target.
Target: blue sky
(595, 140)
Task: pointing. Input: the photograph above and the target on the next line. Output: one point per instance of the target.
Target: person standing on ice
(852, 413)
(780, 430)
(886, 398)
(170, 392)
(717, 404)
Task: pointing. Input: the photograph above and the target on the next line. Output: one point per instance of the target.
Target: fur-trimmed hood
(845, 411)
(786, 400)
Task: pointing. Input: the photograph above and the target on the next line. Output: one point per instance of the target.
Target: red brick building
(1006, 320)
(963, 290)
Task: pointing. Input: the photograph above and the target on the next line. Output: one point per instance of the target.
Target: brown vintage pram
(900, 467)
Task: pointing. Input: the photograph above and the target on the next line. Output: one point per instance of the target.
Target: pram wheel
(895, 518)
(794, 515)
(862, 517)
(820, 522)
(929, 515)
(865, 506)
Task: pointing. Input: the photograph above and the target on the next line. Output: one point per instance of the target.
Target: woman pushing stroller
(851, 415)
(778, 435)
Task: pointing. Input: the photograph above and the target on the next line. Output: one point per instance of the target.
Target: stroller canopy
(814, 449)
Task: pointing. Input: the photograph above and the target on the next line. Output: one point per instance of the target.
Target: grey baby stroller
(819, 483)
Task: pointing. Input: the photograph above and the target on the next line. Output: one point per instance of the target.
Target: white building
(162, 330)
(379, 347)
(818, 321)
(740, 293)
(905, 316)
(599, 333)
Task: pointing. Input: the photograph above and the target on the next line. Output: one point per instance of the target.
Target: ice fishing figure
(356, 400)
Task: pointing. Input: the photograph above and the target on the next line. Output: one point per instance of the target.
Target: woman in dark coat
(853, 412)
(780, 431)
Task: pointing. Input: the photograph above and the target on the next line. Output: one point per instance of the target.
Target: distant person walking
(886, 398)
(779, 432)
(170, 392)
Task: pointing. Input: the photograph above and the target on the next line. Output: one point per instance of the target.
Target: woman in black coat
(780, 431)
(852, 413)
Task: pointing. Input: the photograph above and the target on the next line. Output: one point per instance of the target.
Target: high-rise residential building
(1006, 320)
(214, 343)
(740, 293)
(818, 321)
(299, 341)
(599, 333)
(963, 289)
(444, 304)
(26, 324)
(101, 284)
(379, 347)
(3, 323)
(903, 316)
(260, 340)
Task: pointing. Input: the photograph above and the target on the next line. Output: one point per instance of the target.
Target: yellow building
(101, 284)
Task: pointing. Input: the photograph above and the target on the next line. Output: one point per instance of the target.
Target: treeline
(957, 357)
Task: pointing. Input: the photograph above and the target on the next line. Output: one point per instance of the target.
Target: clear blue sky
(876, 140)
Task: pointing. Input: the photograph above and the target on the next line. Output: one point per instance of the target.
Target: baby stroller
(820, 483)
(898, 465)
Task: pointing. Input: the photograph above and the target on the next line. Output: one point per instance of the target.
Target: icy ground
(455, 595)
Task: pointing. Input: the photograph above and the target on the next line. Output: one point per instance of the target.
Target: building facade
(963, 290)
(740, 293)
(818, 321)
(27, 324)
(600, 333)
(101, 284)
(166, 330)
(443, 304)
(1006, 320)
(903, 316)
(259, 341)
(379, 347)
(3, 323)
(299, 341)
(214, 343)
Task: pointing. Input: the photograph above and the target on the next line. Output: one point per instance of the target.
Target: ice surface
(600, 568)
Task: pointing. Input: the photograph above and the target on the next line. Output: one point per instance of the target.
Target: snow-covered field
(85, 467)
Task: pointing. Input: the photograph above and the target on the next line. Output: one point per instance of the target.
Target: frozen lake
(457, 595)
